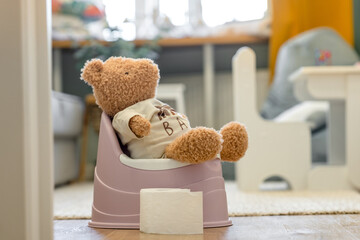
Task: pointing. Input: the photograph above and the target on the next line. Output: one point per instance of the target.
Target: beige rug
(74, 202)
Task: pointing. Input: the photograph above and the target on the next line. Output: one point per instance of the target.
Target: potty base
(117, 186)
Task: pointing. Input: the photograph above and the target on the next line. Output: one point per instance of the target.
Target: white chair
(173, 92)
(275, 149)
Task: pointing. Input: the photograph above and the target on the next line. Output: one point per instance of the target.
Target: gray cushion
(67, 114)
(320, 46)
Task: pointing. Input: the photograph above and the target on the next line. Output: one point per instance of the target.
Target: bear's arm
(139, 126)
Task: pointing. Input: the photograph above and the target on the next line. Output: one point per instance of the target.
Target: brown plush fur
(196, 146)
(139, 126)
(121, 82)
(235, 141)
(127, 80)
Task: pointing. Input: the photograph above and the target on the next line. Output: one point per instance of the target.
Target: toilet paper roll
(171, 211)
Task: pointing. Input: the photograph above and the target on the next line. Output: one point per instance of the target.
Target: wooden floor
(270, 227)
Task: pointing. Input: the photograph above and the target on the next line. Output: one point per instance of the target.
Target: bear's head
(120, 82)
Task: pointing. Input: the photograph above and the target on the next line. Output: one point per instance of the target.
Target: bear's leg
(195, 146)
(235, 141)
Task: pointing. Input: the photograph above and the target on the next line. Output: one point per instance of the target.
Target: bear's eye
(127, 73)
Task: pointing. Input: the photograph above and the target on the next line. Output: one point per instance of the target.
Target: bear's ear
(151, 68)
(91, 73)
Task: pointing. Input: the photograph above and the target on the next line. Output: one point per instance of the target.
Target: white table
(340, 85)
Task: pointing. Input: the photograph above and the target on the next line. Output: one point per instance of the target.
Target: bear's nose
(126, 73)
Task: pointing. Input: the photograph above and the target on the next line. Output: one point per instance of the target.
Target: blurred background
(193, 42)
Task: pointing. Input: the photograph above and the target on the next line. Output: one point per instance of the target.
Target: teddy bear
(125, 89)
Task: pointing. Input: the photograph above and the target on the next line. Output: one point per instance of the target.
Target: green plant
(118, 47)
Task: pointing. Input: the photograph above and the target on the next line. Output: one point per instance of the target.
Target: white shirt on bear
(166, 125)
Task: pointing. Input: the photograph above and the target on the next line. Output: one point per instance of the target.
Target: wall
(26, 184)
(12, 153)
(356, 4)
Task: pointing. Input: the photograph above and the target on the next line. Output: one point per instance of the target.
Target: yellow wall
(291, 17)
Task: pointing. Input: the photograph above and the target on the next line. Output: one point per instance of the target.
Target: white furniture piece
(173, 92)
(340, 85)
(275, 149)
(283, 148)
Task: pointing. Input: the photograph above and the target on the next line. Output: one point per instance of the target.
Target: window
(121, 14)
(147, 18)
(178, 13)
(219, 12)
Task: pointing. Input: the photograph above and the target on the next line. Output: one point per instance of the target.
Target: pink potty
(118, 181)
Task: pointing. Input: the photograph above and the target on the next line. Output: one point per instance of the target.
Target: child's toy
(120, 83)
(125, 88)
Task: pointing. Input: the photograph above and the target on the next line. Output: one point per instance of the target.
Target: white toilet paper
(171, 211)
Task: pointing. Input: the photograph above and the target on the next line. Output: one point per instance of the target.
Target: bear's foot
(235, 141)
(195, 146)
